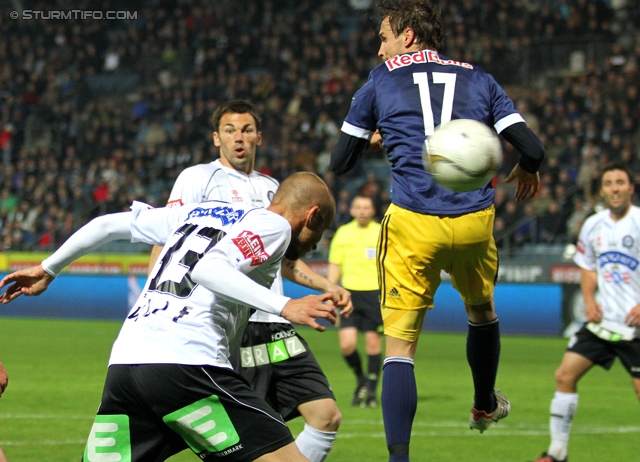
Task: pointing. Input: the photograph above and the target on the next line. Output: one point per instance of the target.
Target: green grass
(57, 369)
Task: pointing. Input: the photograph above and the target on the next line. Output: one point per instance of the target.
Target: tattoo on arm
(297, 273)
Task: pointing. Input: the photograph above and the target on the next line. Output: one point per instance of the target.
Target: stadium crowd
(96, 113)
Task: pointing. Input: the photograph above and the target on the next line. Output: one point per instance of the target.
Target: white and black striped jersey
(177, 319)
(214, 181)
(612, 249)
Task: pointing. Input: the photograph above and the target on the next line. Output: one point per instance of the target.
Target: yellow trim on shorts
(403, 324)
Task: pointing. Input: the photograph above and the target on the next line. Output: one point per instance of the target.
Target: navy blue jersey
(406, 98)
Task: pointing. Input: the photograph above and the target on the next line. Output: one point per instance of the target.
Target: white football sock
(563, 407)
(315, 444)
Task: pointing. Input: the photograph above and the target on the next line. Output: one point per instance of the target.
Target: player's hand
(527, 184)
(30, 281)
(375, 143)
(307, 309)
(4, 379)
(342, 299)
(633, 318)
(593, 312)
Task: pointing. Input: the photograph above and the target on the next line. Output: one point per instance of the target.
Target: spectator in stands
(552, 227)
(581, 211)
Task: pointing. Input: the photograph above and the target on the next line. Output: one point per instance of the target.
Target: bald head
(306, 202)
(303, 190)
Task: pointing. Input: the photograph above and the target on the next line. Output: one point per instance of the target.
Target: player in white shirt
(170, 384)
(609, 255)
(293, 384)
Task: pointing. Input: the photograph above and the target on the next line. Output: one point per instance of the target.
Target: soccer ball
(462, 155)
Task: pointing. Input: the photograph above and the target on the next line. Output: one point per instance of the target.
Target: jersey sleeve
(153, 226)
(186, 189)
(360, 121)
(258, 237)
(585, 257)
(502, 107)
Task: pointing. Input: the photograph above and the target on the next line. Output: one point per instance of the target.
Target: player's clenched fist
(307, 309)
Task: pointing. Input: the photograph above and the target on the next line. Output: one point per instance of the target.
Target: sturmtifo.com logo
(73, 14)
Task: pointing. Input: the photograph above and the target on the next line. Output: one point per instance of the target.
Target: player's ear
(313, 218)
(409, 37)
(216, 139)
(259, 139)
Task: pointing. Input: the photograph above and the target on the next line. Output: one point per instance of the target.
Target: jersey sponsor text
(226, 214)
(423, 56)
(251, 247)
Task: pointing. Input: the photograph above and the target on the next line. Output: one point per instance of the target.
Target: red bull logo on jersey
(251, 247)
(226, 214)
(423, 56)
(617, 258)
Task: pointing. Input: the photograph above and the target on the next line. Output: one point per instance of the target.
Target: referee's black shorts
(366, 315)
(278, 364)
(150, 412)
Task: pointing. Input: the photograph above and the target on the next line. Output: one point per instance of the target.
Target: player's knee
(348, 349)
(334, 421)
(565, 379)
(330, 420)
(322, 415)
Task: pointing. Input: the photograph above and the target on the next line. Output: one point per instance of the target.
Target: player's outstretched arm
(216, 274)
(307, 309)
(35, 280)
(30, 281)
(299, 272)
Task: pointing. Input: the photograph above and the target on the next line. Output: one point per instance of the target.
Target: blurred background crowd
(96, 113)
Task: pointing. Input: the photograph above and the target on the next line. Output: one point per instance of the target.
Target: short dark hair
(363, 196)
(235, 106)
(420, 15)
(616, 165)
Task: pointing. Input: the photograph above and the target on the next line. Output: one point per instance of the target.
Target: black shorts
(366, 315)
(150, 412)
(278, 364)
(604, 352)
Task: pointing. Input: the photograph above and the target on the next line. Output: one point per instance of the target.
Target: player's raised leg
(483, 356)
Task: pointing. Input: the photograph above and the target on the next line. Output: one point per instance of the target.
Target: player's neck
(617, 215)
(233, 167)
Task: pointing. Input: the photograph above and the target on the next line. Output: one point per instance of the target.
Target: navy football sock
(399, 403)
(483, 355)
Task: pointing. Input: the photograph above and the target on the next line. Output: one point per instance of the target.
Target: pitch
(57, 370)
